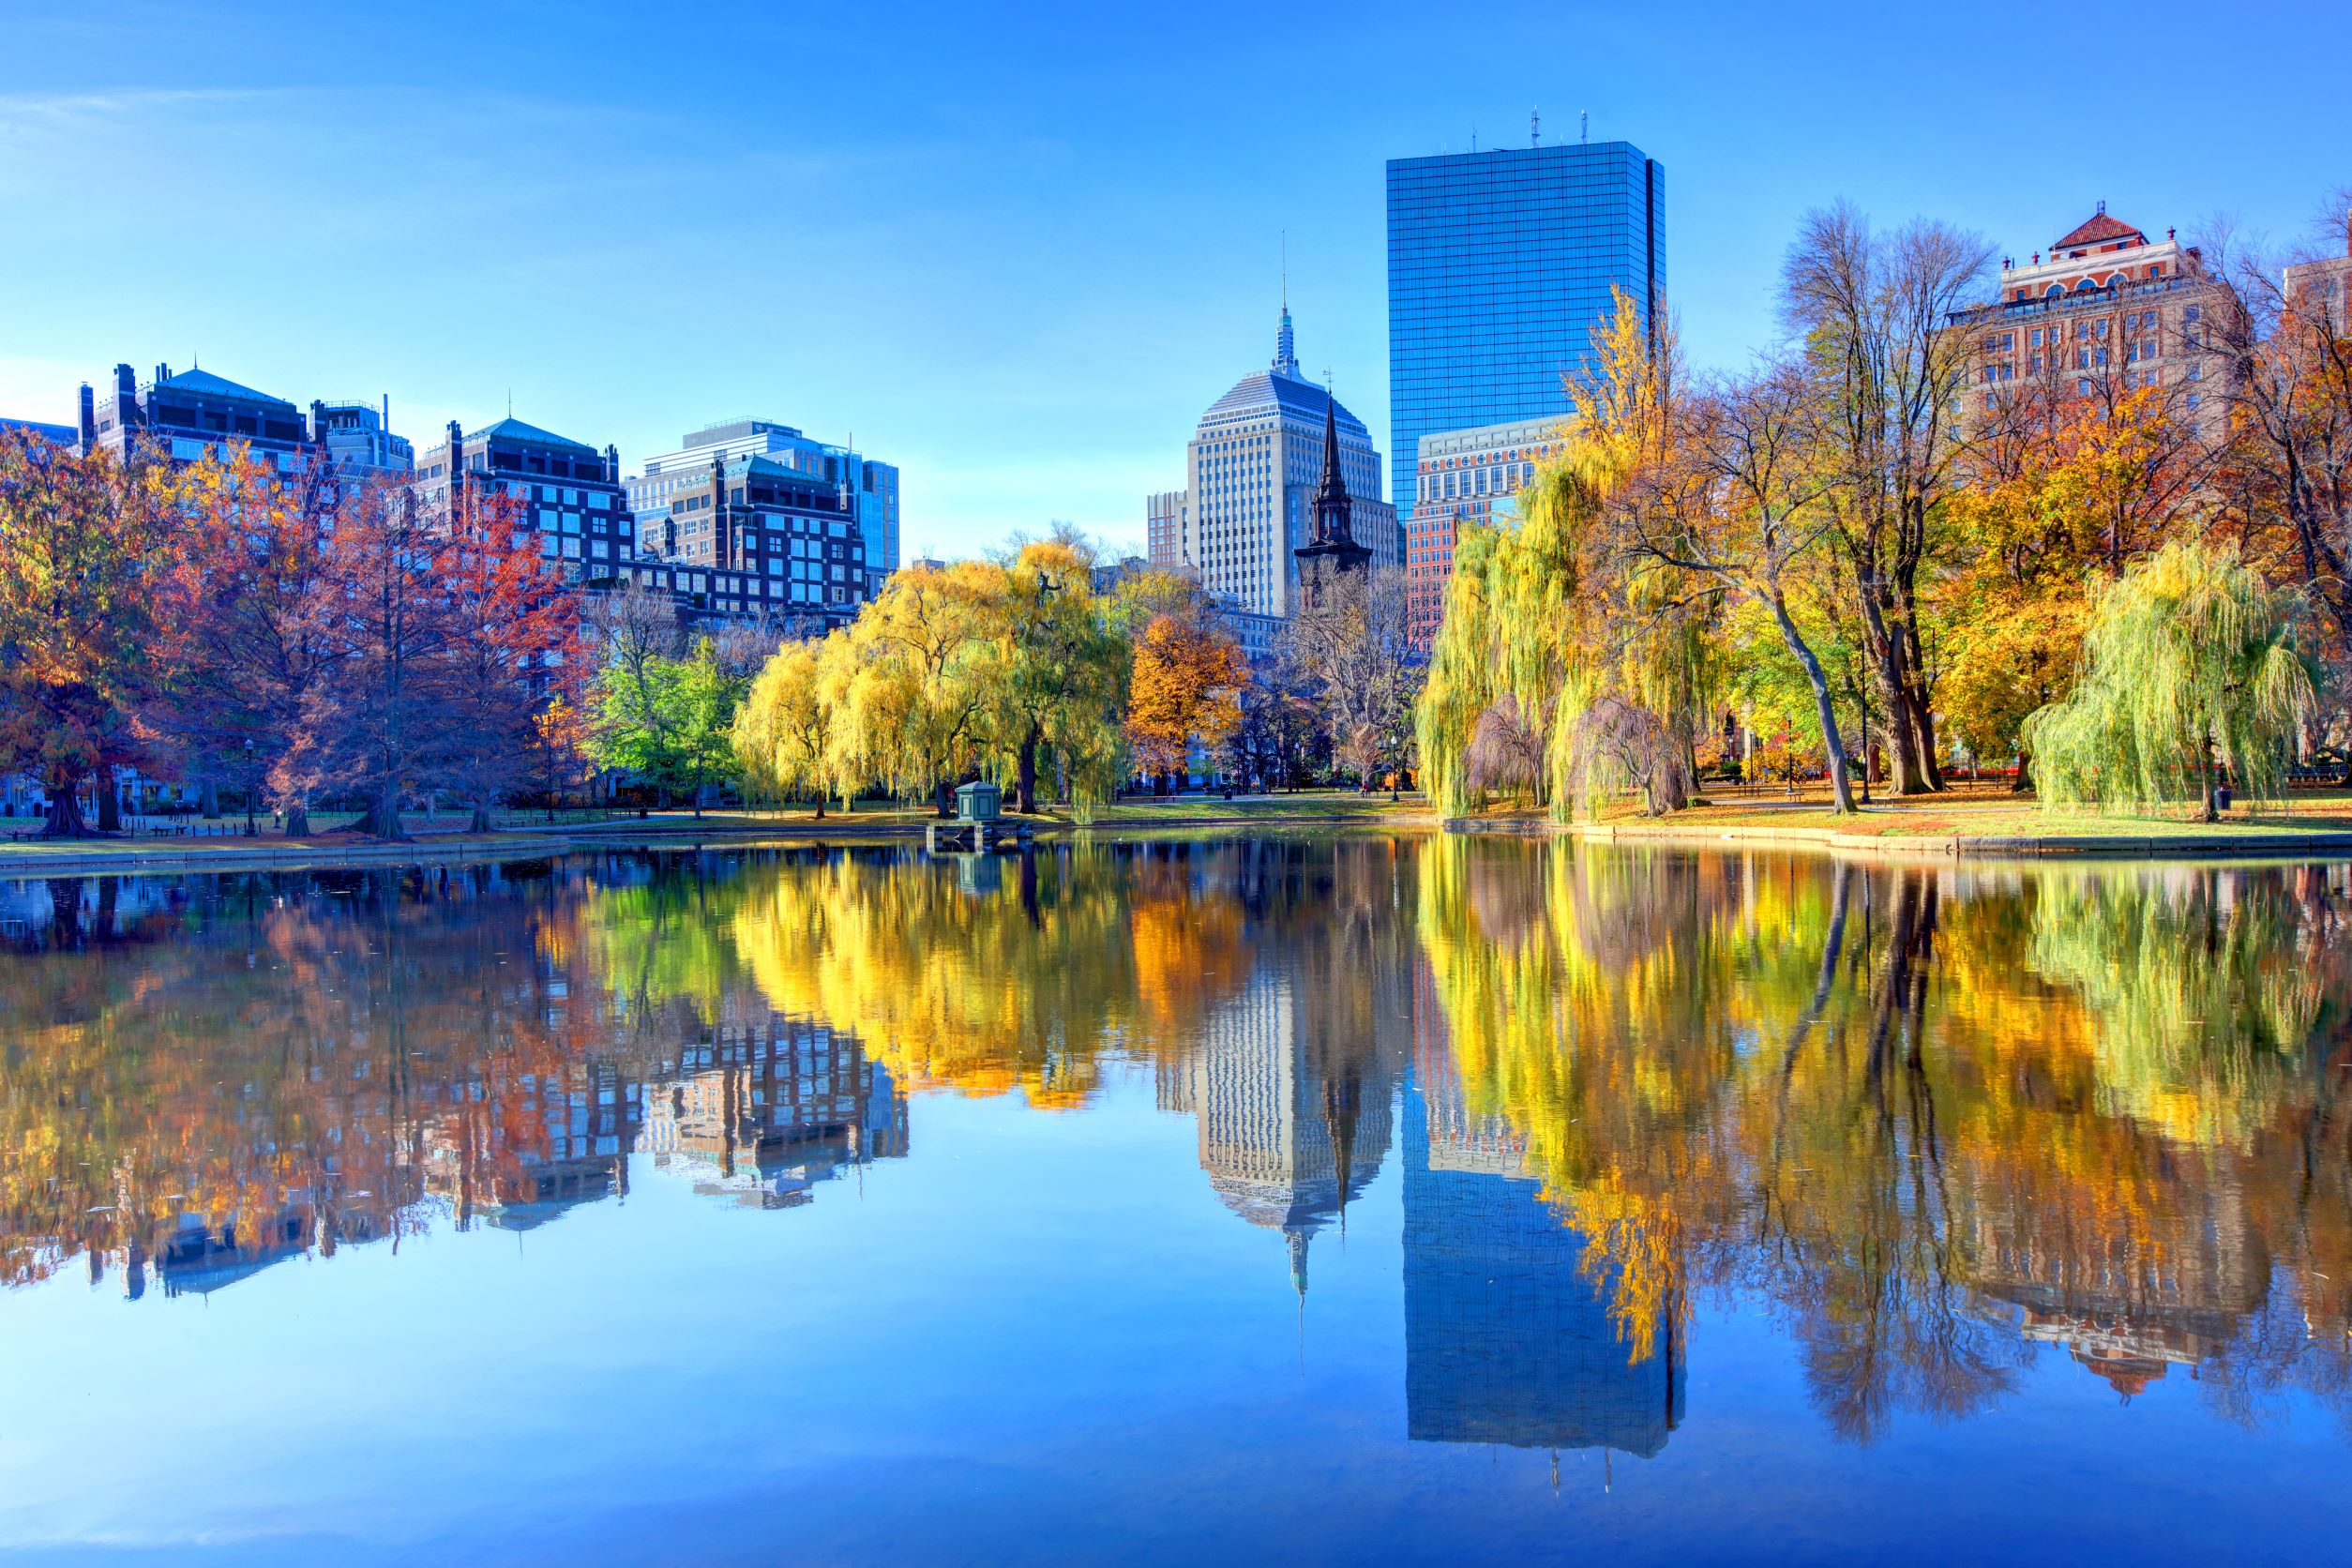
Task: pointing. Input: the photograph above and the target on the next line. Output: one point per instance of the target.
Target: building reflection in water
(1929, 1118)
(1507, 1339)
(1292, 1079)
(1286, 1142)
(761, 1113)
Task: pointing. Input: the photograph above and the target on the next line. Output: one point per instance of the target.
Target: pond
(1320, 1198)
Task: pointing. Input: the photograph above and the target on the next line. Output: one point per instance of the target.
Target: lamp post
(251, 830)
(1865, 749)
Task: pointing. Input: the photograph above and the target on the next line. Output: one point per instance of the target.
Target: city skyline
(1037, 363)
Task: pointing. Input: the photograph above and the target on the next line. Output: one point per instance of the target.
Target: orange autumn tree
(86, 544)
(1188, 687)
(2067, 490)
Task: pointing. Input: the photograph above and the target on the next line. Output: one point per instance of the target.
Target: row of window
(1501, 479)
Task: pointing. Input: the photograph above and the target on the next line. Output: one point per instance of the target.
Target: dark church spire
(1333, 511)
(1331, 545)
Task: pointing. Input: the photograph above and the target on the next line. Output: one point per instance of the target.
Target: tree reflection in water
(1934, 1116)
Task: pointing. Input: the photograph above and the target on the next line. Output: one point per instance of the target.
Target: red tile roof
(2098, 230)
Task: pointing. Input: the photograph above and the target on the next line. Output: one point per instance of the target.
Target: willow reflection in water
(1934, 1116)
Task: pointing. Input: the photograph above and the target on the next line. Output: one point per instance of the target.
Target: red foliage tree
(511, 654)
(243, 641)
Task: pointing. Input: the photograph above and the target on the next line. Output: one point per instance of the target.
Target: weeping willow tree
(2202, 991)
(2191, 664)
(1555, 641)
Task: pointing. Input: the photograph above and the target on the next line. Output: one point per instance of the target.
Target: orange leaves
(1187, 687)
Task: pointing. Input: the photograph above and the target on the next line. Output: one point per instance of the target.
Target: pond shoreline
(130, 858)
(2190, 841)
(134, 858)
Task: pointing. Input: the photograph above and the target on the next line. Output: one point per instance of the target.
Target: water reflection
(1933, 1117)
(1934, 1121)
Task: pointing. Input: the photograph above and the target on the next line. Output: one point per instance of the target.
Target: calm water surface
(1316, 1199)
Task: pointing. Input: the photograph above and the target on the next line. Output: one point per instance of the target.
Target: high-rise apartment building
(570, 492)
(760, 538)
(1499, 265)
(1464, 477)
(869, 489)
(1510, 1332)
(2323, 287)
(180, 416)
(1254, 467)
(1164, 529)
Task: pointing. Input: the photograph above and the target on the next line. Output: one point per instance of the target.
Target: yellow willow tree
(2192, 662)
(783, 735)
(1056, 676)
(1554, 627)
(910, 691)
(1021, 982)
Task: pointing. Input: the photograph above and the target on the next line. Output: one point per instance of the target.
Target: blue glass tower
(1499, 264)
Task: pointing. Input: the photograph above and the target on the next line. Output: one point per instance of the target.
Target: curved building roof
(1279, 390)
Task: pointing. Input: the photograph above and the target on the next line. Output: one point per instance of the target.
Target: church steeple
(1286, 359)
(1333, 511)
(1334, 538)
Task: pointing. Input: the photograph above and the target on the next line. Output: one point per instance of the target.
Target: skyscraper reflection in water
(1289, 1137)
(1507, 1339)
(1292, 1080)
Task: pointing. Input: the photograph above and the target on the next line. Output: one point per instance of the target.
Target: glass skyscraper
(1499, 264)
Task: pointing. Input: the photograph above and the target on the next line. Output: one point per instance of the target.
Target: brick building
(2105, 310)
(1463, 477)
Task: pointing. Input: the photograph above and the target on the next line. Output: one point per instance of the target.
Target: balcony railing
(2050, 304)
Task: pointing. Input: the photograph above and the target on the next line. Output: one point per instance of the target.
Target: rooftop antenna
(1535, 126)
(1584, 126)
(1286, 269)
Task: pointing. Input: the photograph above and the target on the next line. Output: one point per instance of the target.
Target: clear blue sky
(1016, 254)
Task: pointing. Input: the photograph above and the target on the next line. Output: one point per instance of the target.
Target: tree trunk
(481, 819)
(1025, 786)
(299, 818)
(65, 813)
(382, 819)
(820, 806)
(208, 799)
(1834, 743)
(2211, 814)
(944, 799)
(110, 805)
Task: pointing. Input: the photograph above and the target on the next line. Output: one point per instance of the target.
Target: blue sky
(1017, 253)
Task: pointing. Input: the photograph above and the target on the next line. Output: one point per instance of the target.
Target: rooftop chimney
(162, 374)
